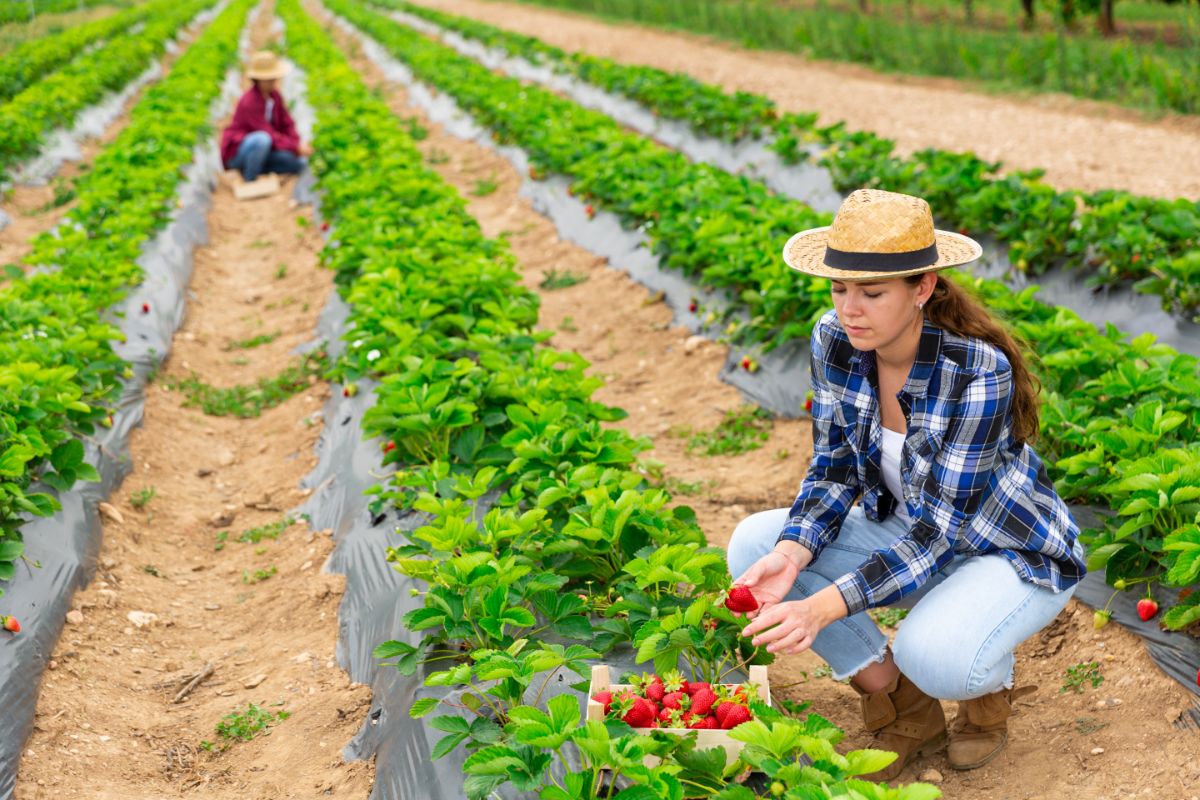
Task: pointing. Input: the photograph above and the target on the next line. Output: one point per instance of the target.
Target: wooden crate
(705, 739)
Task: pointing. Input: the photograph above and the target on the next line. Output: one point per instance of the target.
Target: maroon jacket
(251, 116)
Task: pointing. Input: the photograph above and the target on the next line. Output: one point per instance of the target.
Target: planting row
(1114, 237)
(1120, 418)
(1143, 76)
(55, 100)
(472, 403)
(59, 373)
(27, 63)
(23, 10)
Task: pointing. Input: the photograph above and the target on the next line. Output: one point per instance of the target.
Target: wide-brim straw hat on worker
(266, 66)
(878, 235)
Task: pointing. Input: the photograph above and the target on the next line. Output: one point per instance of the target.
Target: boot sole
(930, 747)
(981, 762)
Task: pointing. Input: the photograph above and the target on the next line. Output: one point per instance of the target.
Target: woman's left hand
(791, 627)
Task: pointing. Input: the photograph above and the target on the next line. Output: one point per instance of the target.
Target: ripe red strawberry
(605, 697)
(674, 700)
(692, 306)
(740, 600)
(11, 624)
(1147, 608)
(704, 723)
(655, 690)
(736, 716)
(389, 447)
(723, 711)
(145, 308)
(808, 402)
(324, 224)
(702, 701)
(696, 686)
(674, 681)
(746, 362)
(641, 714)
(589, 210)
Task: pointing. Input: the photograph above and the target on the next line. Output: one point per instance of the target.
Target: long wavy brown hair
(953, 309)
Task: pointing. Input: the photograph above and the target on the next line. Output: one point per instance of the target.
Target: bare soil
(1081, 144)
(108, 724)
(1116, 741)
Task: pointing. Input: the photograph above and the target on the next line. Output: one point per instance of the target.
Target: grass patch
(250, 401)
(553, 279)
(888, 617)
(142, 497)
(743, 429)
(244, 725)
(254, 341)
(1079, 674)
(485, 187)
(269, 531)
(259, 575)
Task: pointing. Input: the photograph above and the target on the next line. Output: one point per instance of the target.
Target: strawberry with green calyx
(605, 697)
(736, 716)
(676, 700)
(655, 690)
(1147, 607)
(349, 390)
(10, 624)
(808, 398)
(702, 701)
(741, 600)
(671, 718)
(642, 714)
(1101, 618)
(723, 710)
(674, 681)
(590, 210)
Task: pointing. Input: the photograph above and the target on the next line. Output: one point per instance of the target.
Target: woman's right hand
(771, 578)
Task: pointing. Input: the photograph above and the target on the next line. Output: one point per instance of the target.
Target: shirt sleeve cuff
(805, 536)
(854, 592)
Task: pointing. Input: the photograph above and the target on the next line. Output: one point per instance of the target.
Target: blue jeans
(255, 156)
(965, 622)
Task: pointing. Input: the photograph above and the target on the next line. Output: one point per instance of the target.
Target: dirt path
(633, 344)
(32, 209)
(1081, 144)
(107, 726)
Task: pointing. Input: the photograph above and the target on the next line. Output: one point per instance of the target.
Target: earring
(921, 306)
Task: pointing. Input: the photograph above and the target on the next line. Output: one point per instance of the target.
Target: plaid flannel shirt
(969, 488)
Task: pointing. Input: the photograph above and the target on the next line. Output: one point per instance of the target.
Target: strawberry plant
(55, 100)
(59, 370)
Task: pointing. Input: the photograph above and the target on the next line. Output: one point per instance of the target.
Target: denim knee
(258, 140)
(752, 539)
(942, 670)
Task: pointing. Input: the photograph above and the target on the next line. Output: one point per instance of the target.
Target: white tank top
(892, 444)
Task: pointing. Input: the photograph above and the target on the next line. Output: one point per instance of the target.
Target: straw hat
(878, 235)
(266, 66)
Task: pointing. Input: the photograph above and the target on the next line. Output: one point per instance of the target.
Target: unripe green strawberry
(1101, 618)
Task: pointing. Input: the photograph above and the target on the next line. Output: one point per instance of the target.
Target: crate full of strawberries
(674, 705)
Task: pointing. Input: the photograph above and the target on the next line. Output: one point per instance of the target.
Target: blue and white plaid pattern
(969, 488)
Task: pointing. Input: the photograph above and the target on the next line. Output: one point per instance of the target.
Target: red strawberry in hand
(1147, 608)
(741, 600)
(10, 624)
(736, 716)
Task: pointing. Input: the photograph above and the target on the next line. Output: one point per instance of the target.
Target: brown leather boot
(905, 720)
(980, 728)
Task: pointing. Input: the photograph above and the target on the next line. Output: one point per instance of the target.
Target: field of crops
(370, 487)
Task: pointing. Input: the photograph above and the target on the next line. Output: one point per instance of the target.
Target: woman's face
(266, 87)
(876, 314)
